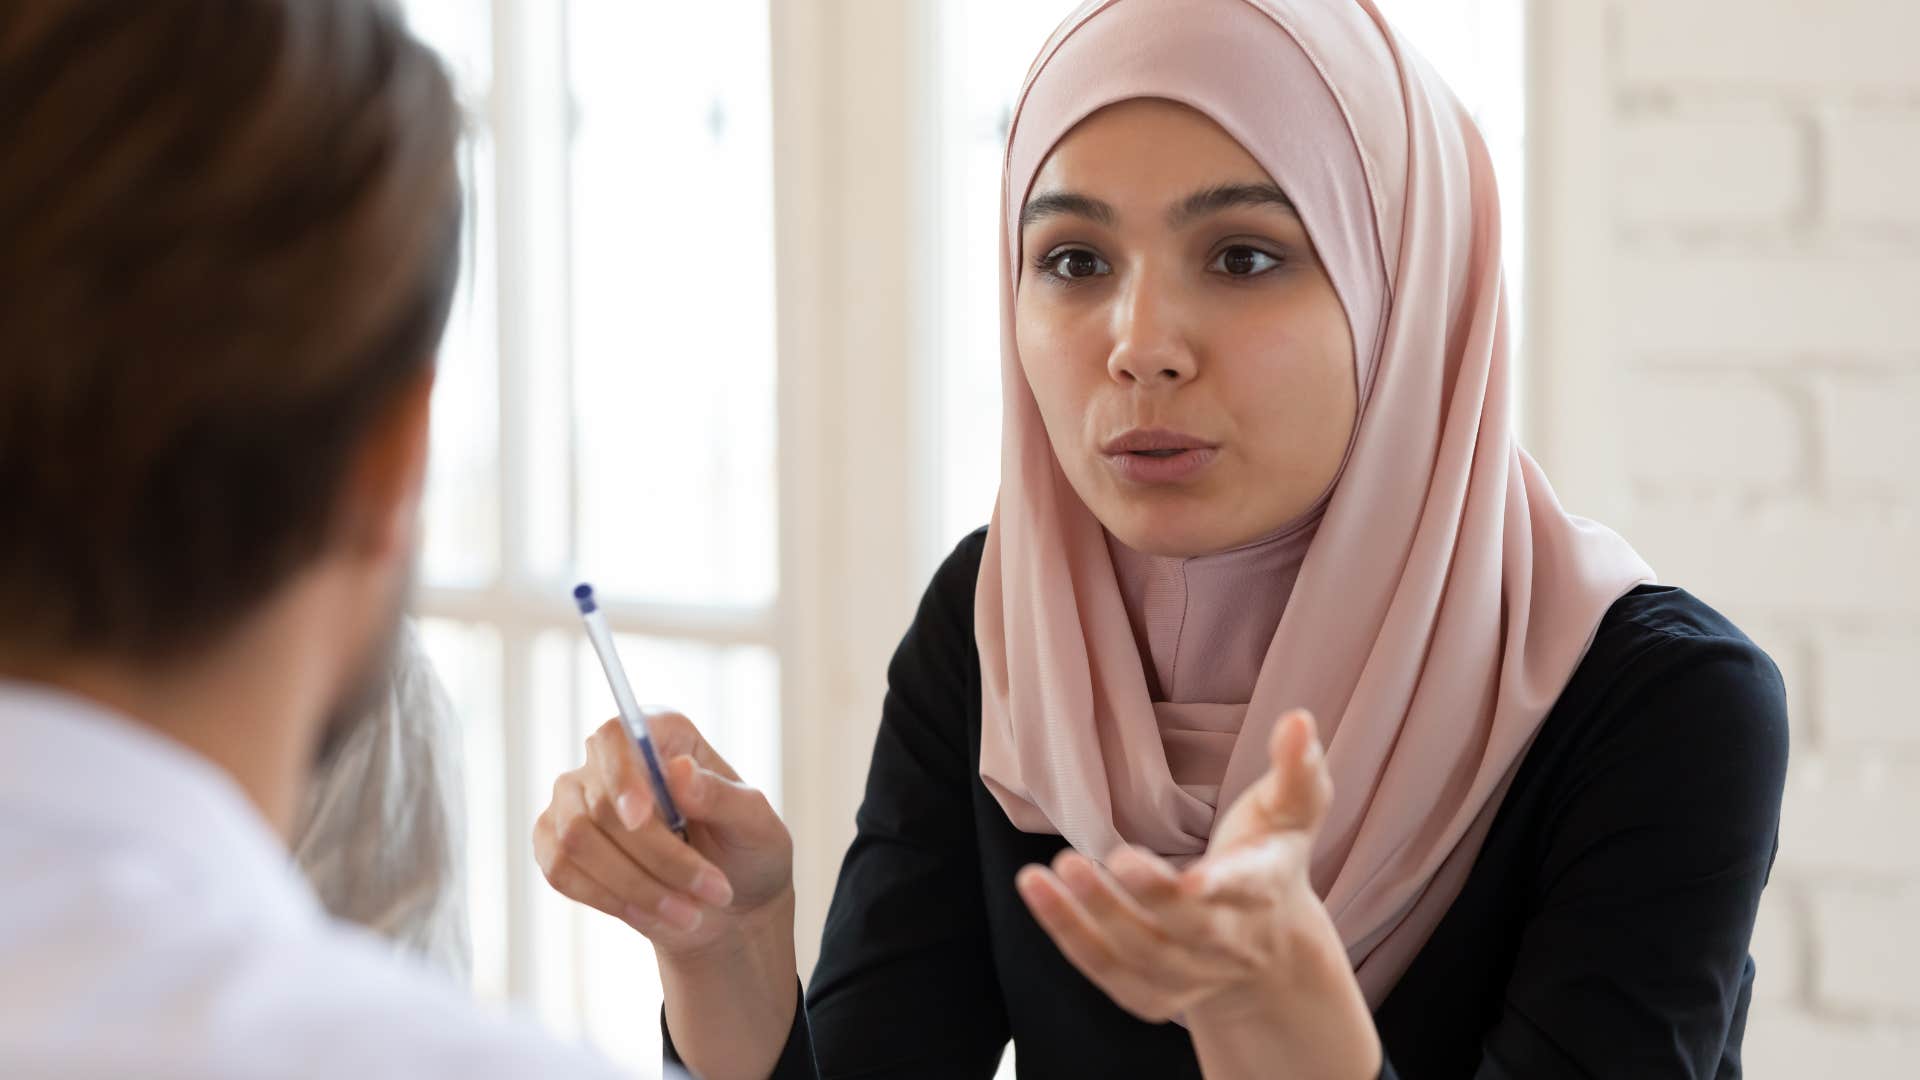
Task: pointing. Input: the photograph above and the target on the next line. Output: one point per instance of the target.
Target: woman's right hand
(602, 841)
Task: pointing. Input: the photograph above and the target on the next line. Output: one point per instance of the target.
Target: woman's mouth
(1158, 455)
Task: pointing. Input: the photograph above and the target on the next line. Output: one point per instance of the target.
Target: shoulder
(944, 622)
(959, 572)
(197, 982)
(1675, 705)
(1660, 642)
(935, 671)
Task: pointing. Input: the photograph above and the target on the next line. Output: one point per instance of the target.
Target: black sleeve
(1633, 961)
(905, 984)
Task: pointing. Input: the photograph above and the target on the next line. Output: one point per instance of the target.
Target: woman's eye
(1243, 262)
(1074, 264)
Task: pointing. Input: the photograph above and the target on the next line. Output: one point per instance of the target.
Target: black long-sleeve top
(1602, 931)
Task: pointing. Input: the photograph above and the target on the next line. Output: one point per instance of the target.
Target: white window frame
(529, 117)
(844, 379)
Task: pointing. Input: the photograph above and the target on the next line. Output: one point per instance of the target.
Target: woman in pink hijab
(1281, 723)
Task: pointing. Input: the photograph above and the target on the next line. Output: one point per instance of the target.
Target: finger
(579, 846)
(1120, 918)
(1301, 787)
(731, 813)
(1144, 945)
(615, 763)
(565, 876)
(1157, 887)
(673, 862)
(1167, 942)
(1147, 877)
(1082, 942)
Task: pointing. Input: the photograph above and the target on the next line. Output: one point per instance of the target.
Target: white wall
(1726, 348)
(844, 112)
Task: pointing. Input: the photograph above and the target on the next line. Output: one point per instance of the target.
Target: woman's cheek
(1058, 388)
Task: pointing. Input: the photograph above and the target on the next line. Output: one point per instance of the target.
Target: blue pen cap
(583, 596)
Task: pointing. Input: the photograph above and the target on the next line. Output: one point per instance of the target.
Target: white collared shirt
(152, 925)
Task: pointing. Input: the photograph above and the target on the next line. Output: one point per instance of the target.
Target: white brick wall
(1718, 298)
(1766, 45)
(1758, 441)
(1869, 950)
(1855, 672)
(1728, 168)
(1851, 817)
(1873, 433)
(1872, 167)
(1762, 306)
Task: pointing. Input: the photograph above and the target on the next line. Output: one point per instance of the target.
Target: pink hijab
(1440, 599)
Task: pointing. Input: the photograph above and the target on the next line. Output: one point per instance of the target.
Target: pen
(634, 720)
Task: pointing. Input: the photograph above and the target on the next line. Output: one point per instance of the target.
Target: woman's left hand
(1238, 944)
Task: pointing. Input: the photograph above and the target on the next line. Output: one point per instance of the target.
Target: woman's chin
(1156, 527)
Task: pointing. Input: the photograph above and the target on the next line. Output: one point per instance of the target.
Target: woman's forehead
(1145, 144)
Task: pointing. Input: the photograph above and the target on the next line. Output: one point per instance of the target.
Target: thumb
(734, 813)
(1297, 789)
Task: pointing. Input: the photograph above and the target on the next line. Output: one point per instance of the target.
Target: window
(604, 411)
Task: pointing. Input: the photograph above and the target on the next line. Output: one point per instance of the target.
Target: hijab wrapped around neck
(1428, 611)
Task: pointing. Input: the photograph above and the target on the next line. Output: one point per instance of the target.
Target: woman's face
(1190, 359)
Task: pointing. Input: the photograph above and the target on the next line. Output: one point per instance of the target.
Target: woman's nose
(1149, 346)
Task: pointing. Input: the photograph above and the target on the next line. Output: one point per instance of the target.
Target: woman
(1260, 496)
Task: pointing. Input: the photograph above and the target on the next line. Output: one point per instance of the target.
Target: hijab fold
(1436, 604)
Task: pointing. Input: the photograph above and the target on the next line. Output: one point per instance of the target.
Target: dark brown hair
(229, 236)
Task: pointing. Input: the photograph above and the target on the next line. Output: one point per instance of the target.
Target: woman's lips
(1157, 455)
(1161, 466)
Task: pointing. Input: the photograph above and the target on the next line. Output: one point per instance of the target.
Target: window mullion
(525, 98)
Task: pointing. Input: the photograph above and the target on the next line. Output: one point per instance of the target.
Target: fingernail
(679, 912)
(641, 916)
(711, 886)
(631, 810)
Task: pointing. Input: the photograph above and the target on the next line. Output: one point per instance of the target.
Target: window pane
(619, 991)
(672, 280)
(461, 31)
(462, 513)
(988, 47)
(556, 731)
(467, 659)
(730, 693)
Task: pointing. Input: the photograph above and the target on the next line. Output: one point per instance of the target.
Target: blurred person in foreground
(231, 240)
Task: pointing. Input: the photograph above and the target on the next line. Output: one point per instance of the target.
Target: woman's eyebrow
(1057, 203)
(1225, 197)
(1197, 205)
